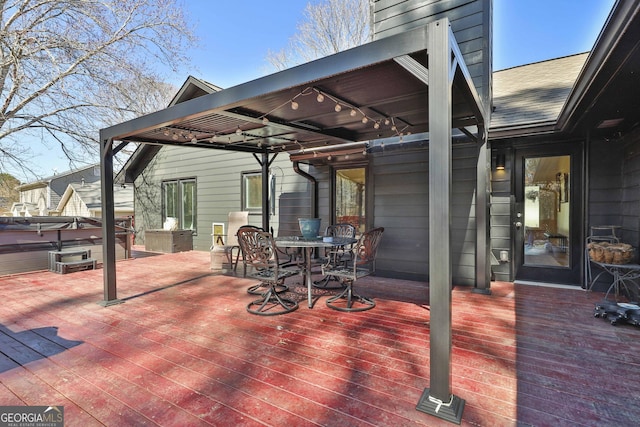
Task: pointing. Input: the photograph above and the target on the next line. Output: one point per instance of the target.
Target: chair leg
(271, 304)
(324, 283)
(347, 300)
(235, 265)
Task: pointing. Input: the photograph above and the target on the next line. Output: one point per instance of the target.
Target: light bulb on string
(353, 113)
(238, 131)
(365, 119)
(265, 121)
(338, 108)
(294, 105)
(320, 97)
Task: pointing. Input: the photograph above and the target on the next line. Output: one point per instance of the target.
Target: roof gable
(144, 153)
(91, 196)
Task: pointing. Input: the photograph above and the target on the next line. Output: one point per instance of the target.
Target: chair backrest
(258, 248)
(341, 230)
(366, 249)
(236, 220)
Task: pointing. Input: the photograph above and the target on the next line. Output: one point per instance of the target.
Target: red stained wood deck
(182, 351)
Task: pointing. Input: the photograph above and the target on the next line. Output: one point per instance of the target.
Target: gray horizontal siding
(470, 22)
(218, 181)
(401, 205)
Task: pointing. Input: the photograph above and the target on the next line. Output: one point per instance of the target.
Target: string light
(354, 111)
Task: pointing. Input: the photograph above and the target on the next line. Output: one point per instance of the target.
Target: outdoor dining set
(341, 256)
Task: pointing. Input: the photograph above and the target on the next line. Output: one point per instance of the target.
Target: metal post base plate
(108, 303)
(451, 413)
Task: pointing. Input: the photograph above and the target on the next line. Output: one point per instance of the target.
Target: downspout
(314, 184)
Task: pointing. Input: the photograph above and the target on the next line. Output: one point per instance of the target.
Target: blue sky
(235, 37)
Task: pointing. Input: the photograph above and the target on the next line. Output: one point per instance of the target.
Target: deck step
(73, 266)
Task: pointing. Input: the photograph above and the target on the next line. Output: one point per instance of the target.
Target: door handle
(518, 225)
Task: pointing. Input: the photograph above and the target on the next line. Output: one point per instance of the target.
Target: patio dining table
(309, 245)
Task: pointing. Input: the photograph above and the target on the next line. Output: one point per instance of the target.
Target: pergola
(410, 83)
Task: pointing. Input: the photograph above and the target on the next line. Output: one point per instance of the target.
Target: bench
(73, 266)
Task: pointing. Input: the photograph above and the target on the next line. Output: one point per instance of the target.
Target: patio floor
(182, 351)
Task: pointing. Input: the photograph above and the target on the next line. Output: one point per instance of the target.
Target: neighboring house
(25, 209)
(41, 198)
(82, 199)
(560, 159)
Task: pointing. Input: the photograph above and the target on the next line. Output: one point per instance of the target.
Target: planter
(309, 227)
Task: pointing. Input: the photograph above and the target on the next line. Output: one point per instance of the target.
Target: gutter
(314, 185)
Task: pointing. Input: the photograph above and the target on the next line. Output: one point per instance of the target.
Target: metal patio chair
(260, 254)
(340, 254)
(361, 263)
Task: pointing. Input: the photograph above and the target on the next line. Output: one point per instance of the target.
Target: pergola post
(266, 202)
(483, 191)
(108, 223)
(438, 399)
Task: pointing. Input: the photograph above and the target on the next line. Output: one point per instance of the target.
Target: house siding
(614, 186)
(630, 220)
(470, 21)
(400, 193)
(75, 207)
(218, 182)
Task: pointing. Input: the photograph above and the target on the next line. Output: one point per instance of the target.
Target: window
(252, 192)
(349, 197)
(179, 201)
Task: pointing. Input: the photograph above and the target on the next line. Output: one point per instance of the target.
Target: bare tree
(8, 192)
(328, 27)
(70, 67)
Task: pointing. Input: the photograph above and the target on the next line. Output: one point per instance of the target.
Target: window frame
(179, 201)
(245, 196)
(363, 223)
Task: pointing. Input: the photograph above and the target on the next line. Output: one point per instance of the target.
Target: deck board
(182, 350)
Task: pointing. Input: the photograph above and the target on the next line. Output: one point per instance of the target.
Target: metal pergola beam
(360, 57)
